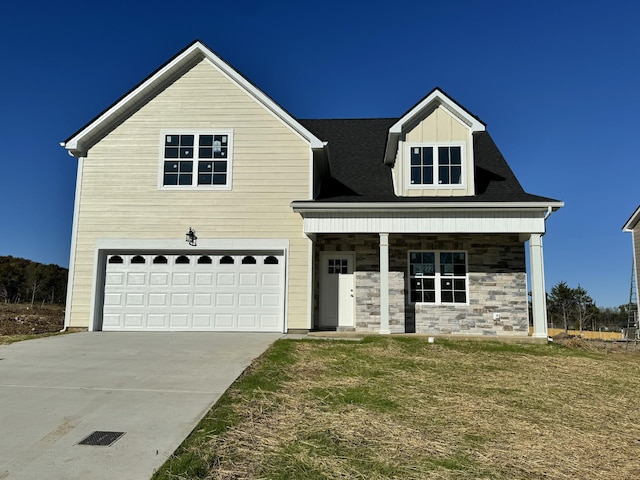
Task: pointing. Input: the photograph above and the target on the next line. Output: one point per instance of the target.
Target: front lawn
(403, 408)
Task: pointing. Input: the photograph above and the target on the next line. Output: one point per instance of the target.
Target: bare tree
(584, 307)
(561, 302)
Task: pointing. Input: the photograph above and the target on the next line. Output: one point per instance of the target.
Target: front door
(336, 289)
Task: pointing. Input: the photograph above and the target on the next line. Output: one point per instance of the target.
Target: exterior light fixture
(191, 237)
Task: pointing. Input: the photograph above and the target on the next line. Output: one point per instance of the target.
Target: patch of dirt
(20, 319)
(602, 346)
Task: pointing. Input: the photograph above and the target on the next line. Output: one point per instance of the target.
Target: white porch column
(384, 284)
(538, 292)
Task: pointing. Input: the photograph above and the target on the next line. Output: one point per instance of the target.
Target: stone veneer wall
(497, 284)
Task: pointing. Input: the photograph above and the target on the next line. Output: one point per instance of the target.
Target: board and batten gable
(438, 126)
(121, 194)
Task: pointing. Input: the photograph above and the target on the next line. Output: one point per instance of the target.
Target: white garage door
(224, 292)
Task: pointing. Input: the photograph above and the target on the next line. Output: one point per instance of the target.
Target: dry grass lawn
(403, 408)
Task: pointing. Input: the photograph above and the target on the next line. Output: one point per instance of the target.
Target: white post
(384, 284)
(538, 292)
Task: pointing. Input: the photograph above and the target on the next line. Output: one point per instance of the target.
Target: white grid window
(436, 165)
(197, 160)
(438, 277)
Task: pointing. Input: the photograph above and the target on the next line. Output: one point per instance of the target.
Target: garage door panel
(136, 278)
(115, 279)
(196, 294)
(269, 321)
(159, 279)
(247, 321)
(203, 279)
(157, 321)
(133, 320)
(247, 300)
(202, 300)
(110, 321)
(248, 280)
(271, 279)
(225, 299)
(223, 321)
(269, 300)
(134, 300)
(180, 299)
(181, 279)
(178, 320)
(226, 279)
(202, 320)
(113, 299)
(158, 300)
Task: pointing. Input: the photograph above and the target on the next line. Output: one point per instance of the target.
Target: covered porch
(437, 271)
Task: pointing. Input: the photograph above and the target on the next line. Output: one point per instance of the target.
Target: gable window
(197, 160)
(438, 277)
(435, 165)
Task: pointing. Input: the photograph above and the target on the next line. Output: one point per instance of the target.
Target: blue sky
(557, 83)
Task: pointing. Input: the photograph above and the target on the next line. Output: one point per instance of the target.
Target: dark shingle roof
(358, 173)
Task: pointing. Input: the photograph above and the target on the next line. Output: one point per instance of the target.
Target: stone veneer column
(384, 284)
(538, 293)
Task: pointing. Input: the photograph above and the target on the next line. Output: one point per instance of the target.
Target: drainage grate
(102, 439)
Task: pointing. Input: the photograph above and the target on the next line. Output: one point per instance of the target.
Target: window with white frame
(197, 160)
(435, 165)
(438, 277)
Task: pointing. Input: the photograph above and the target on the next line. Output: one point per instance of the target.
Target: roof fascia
(81, 141)
(434, 99)
(317, 207)
(633, 220)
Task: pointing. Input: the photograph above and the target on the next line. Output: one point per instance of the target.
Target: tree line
(573, 308)
(23, 281)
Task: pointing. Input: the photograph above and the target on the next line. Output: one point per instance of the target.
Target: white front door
(336, 289)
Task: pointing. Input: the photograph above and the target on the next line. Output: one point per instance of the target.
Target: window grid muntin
(337, 265)
(197, 160)
(438, 277)
(436, 165)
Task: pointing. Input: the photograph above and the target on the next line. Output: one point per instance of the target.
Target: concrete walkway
(154, 387)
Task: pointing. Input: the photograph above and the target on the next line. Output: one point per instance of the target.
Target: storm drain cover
(102, 439)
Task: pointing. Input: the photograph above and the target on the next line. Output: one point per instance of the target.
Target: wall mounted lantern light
(191, 237)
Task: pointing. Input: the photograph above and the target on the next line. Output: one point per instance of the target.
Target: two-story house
(201, 204)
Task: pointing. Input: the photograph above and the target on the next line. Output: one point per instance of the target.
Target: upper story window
(197, 160)
(436, 165)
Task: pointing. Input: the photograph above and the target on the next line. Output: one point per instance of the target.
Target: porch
(487, 295)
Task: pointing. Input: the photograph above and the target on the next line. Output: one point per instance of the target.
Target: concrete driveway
(154, 387)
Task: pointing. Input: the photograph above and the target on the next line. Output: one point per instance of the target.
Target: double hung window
(197, 160)
(432, 165)
(438, 277)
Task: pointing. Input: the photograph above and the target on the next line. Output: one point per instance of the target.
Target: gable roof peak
(434, 99)
(437, 97)
(80, 142)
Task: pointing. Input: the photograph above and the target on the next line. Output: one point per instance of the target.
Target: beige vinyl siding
(439, 126)
(121, 184)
